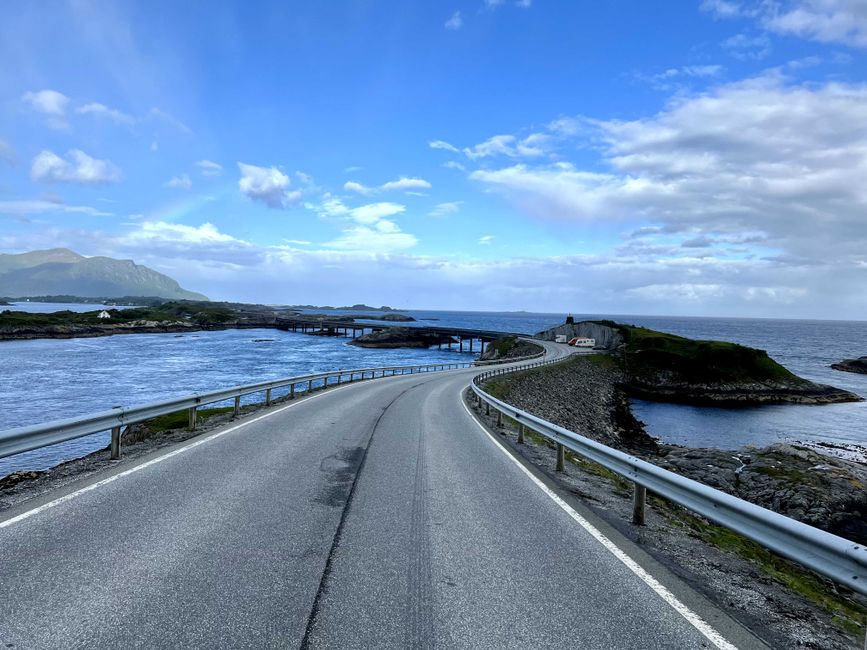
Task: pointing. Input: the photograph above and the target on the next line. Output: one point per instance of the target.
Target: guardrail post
(487, 409)
(237, 410)
(115, 443)
(639, 499)
(561, 457)
(291, 391)
(520, 434)
(268, 397)
(499, 418)
(338, 380)
(192, 418)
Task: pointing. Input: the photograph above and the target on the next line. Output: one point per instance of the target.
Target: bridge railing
(19, 440)
(834, 557)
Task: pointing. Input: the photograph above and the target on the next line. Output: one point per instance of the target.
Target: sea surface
(46, 380)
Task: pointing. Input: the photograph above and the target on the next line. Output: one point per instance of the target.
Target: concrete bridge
(446, 336)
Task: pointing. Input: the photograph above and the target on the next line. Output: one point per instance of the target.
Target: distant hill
(62, 271)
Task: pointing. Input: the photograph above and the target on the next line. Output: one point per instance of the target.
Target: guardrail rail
(834, 557)
(21, 439)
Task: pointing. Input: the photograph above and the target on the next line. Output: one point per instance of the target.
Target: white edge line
(694, 619)
(159, 459)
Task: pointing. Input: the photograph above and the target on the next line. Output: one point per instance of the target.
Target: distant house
(104, 314)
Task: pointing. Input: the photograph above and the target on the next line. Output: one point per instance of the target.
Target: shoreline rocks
(858, 365)
(510, 347)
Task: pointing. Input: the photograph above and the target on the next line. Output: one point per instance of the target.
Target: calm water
(78, 376)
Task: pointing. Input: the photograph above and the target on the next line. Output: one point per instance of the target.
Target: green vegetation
(180, 419)
(503, 346)
(201, 313)
(647, 353)
(846, 613)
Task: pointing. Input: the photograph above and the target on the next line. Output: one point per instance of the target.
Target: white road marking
(694, 619)
(159, 459)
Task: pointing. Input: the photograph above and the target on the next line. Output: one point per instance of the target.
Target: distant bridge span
(353, 328)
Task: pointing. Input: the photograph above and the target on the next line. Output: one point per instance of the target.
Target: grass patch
(649, 352)
(846, 613)
(181, 419)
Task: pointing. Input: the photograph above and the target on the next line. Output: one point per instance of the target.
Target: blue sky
(697, 158)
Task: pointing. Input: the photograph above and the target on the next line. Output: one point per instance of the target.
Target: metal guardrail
(19, 440)
(839, 559)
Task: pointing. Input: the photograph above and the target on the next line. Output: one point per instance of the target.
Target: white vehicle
(582, 342)
(561, 338)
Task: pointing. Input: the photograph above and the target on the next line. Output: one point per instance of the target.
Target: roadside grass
(848, 614)
(180, 419)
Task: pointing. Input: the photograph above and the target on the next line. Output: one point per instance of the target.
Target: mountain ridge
(61, 271)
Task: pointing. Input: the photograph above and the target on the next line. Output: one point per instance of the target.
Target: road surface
(374, 515)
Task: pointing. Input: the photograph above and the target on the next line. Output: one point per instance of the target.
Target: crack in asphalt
(335, 542)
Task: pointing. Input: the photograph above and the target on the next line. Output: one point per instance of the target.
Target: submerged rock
(852, 365)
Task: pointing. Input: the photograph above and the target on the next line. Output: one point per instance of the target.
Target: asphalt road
(374, 515)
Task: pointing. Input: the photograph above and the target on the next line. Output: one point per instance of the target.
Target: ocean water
(46, 380)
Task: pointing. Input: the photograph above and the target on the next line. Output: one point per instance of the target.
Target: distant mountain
(62, 271)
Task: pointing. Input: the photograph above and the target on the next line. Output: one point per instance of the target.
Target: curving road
(374, 515)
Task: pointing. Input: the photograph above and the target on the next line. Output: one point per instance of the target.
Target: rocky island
(665, 367)
(397, 337)
(852, 365)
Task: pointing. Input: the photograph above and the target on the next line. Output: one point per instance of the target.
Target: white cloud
(404, 183)
(40, 206)
(442, 144)
(48, 167)
(206, 233)
(745, 157)
(358, 188)
(445, 209)
(401, 184)
(266, 184)
(455, 22)
(209, 168)
(7, 153)
(50, 103)
(452, 164)
(383, 237)
(508, 145)
(744, 47)
(486, 240)
(373, 212)
(826, 21)
(103, 111)
(181, 182)
(524, 4)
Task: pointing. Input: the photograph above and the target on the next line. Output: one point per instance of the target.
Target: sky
(703, 158)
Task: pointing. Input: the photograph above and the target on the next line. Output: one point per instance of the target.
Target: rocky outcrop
(852, 365)
(607, 335)
(777, 391)
(825, 492)
(510, 347)
(396, 337)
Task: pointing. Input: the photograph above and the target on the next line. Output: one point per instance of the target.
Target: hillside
(61, 271)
